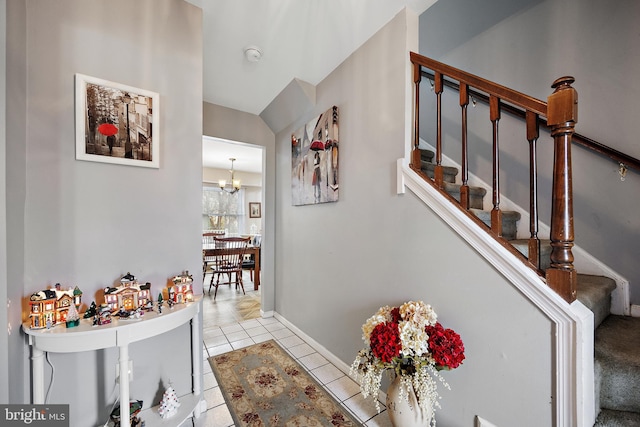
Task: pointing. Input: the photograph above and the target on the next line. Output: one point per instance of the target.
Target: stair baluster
(464, 189)
(438, 171)
(533, 132)
(496, 214)
(415, 154)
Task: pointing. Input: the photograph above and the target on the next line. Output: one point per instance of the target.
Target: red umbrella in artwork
(317, 145)
(107, 129)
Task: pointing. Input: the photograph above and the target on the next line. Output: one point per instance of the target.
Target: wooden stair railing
(625, 161)
(560, 111)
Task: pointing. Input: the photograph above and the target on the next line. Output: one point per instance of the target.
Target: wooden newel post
(562, 115)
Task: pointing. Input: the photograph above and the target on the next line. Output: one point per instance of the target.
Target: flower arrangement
(408, 341)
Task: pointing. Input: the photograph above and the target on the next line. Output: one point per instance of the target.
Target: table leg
(124, 386)
(256, 271)
(196, 361)
(37, 371)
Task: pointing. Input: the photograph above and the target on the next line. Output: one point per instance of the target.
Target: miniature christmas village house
(49, 307)
(181, 291)
(129, 295)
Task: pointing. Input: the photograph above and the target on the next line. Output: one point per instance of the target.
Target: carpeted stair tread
(476, 194)
(617, 345)
(595, 293)
(522, 245)
(609, 418)
(427, 155)
(449, 173)
(509, 221)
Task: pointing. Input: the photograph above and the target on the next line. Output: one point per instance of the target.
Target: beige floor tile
(327, 373)
(213, 397)
(380, 420)
(364, 409)
(209, 381)
(312, 361)
(343, 388)
(301, 350)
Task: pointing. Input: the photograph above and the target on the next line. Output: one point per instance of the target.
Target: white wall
(527, 49)
(339, 262)
(88, 223)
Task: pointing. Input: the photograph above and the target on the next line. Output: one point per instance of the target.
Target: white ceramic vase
(406, 412)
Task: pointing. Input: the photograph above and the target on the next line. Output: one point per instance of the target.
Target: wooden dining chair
(227, 260)
(207, 243)
(249, 262)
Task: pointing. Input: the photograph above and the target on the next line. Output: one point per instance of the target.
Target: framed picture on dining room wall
(314, 160)
(116, 123)
(255, 210)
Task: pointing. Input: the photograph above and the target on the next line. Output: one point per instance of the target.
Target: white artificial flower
(414, 339)
(419, 313)
(383, 315)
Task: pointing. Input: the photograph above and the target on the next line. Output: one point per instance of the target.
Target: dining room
(232, 207)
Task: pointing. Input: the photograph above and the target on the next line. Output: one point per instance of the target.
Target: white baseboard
(382, 396)
(315, 345)
(266, 314)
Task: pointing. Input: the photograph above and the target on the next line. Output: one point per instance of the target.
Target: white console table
(121, 333)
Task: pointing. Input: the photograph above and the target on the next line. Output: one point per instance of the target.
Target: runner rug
(264, 386)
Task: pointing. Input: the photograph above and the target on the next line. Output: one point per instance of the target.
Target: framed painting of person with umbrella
(314, 160)
(116, 123)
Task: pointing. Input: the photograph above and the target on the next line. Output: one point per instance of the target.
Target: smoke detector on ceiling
(252, 53)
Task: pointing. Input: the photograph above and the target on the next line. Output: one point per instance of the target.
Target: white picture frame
(116, 123)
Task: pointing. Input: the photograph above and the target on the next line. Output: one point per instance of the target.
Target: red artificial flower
(395, 315)
(385, 341)
(446, 346)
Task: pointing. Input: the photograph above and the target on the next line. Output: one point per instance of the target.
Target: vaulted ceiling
(304, 39)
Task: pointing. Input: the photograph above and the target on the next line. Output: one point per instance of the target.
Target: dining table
(210, 251)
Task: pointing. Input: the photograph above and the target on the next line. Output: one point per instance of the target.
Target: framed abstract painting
(314, 160)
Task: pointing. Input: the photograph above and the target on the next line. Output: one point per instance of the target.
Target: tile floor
(226, 334)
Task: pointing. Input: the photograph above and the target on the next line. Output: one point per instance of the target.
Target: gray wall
(339, 262)
(4, 320)
(527, 46)
(87, 223)
(15, 192)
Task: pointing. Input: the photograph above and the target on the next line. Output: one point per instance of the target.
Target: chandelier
(235, 183)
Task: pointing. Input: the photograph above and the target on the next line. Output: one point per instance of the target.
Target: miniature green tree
(91, 311)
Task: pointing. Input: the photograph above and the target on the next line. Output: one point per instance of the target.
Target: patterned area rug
(264, 386)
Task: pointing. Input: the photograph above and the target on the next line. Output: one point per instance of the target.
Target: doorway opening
(235, 210)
